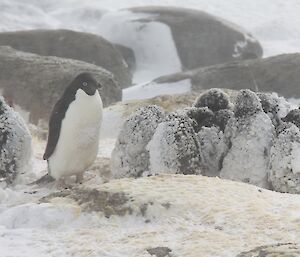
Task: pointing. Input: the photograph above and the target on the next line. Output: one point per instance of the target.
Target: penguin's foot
(79, 178)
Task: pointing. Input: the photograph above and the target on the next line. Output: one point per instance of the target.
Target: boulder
(279, 74)
(172, 39)
(160, 251)
(36, 82)
(71, 44)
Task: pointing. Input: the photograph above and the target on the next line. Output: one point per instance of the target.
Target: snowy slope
(192, 215)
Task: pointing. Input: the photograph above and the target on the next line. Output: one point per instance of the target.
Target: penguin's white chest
(77, 146)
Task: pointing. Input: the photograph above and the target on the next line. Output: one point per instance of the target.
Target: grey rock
(202, 39)
(36, 82)
(128, 55)
(160, 251)
(279, 74)
(81, 46)
(277, 250)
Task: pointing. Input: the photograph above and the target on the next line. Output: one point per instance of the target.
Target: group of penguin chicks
(249, 137)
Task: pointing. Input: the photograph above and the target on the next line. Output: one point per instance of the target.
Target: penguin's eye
(85, 84)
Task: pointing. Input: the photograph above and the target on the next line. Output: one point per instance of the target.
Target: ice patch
(151, 89)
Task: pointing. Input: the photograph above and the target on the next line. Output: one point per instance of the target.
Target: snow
(192, 215)
(152, 89)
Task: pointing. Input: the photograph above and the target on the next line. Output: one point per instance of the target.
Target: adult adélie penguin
(74, 129)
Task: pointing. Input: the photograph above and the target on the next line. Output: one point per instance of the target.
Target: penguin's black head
(86, 82)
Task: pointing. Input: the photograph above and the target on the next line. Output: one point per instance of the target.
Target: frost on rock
(130, 157)
(174, 147)
(249, 138)
(276, 107)
(15, 144)
(284, 173)
(215, 99)
(212, 150)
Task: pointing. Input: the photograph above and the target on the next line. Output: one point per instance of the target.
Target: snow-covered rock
(284, 173)
(175, 147)
(15, 144)
(249, 136)
(130, 158)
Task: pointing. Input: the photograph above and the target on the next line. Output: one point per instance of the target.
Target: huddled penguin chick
(130, 157)
(215, 99)
(15, 144)
(74, 129)
(222, 117)
(174, 147)
(294, 117)
(249, 136)
(276, 107)
(212, 150)
(284, 173)
(201, 117)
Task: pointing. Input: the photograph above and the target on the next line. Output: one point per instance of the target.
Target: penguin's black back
(62, 105)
